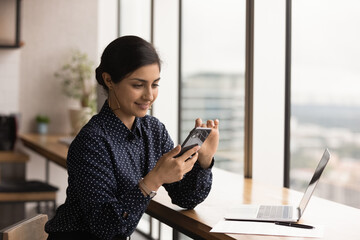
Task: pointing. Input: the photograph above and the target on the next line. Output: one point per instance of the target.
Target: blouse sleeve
(194, 187)
(91, 176)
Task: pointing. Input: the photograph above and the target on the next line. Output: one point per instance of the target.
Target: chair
(25, 191)
(28, 229)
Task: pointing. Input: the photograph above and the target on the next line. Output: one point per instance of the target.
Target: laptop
(280, 213)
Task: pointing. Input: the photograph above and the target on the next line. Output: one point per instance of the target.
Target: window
(269, 80)
(325, 104)
(135, 18)
(213, 73)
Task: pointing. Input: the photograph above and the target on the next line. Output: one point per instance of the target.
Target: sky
(325, 50)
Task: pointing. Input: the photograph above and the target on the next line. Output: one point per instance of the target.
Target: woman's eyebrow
(143, 80)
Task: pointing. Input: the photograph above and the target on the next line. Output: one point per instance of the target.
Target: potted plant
(42, 123)
(78, 83)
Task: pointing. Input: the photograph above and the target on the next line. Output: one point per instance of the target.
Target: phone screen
(196, 137)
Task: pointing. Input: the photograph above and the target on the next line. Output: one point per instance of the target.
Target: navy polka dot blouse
(105, 162)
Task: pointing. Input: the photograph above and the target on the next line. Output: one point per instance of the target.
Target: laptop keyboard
(274, 212)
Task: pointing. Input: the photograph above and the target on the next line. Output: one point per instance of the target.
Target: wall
(50, 29)
(9, 60)
(9, 80)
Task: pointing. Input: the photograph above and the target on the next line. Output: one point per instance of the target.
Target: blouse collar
(111, 118)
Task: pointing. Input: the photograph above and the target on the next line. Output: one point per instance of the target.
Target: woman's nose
(148, 94)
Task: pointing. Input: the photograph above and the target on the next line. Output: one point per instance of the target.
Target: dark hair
(123, 56)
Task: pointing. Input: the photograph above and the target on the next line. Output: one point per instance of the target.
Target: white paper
(265, 228)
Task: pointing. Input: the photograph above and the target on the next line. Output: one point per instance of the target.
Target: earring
(111, 91)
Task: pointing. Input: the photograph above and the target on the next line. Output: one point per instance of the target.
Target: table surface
(228, 190)
(47, 146)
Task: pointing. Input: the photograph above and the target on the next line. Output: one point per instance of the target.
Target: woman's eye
(155, 85)
(137, 85)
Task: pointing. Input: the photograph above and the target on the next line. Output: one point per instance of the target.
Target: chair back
(28, 229)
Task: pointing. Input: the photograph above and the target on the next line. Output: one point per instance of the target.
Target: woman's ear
(107, 79)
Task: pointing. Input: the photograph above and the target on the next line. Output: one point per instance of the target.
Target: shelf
(11, 46)
(10, 24)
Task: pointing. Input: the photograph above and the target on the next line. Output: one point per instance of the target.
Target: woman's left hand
(209, 147)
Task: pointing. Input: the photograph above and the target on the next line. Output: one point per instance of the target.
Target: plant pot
(42, 128)
(78, 118)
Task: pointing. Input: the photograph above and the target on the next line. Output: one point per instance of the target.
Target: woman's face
(136, 93)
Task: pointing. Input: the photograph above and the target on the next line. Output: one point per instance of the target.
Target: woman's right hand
(169, 169)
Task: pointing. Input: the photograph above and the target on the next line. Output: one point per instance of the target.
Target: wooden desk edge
(45, 153)
(182, 222)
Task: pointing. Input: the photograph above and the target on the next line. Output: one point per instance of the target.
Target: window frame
(249, 73)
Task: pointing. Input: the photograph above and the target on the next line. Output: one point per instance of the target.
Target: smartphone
(196, 137)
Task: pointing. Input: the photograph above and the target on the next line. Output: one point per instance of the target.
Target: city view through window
(213, 66)
(214, 95)
(325, 88)
(325, 97)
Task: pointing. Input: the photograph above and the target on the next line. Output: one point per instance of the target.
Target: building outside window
(325, 97)
(213, 71)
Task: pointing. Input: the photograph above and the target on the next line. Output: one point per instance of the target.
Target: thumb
(176, 150)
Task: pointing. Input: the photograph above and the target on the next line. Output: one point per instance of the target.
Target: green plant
(77, 79)
(42, 119)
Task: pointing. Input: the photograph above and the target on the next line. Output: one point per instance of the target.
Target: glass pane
(213, 73)
(325, 97)
(135, 18)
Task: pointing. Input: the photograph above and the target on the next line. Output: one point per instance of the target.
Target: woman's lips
(143, 106)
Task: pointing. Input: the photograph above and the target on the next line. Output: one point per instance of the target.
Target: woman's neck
(116, 109)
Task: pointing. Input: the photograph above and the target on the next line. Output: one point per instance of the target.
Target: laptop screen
(315, 179)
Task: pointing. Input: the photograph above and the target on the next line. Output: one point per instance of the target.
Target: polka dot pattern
(105, 162)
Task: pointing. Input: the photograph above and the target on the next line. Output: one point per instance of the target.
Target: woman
(122, 156)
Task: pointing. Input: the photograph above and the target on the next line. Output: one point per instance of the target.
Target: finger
(175, 151)
(189, 153)
(210, 123)
(198, 122)
(213, 124)
(189, 163)
(193, 158)
(216, 122)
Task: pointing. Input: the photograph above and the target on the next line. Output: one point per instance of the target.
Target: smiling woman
(129, 72)
(133, 96)
(122, 156)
